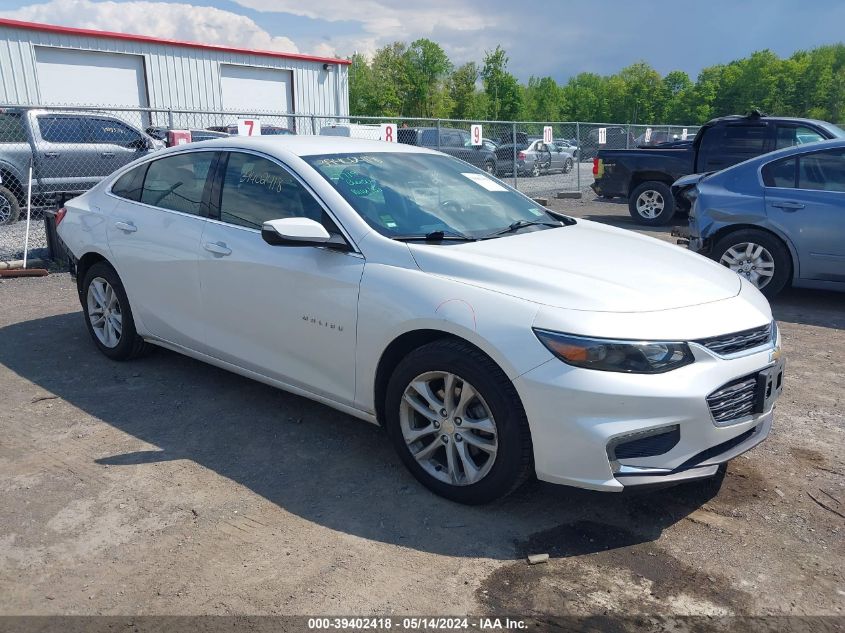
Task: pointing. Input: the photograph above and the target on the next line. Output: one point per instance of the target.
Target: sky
(542, 37)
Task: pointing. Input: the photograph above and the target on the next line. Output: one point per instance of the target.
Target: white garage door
(250, 89)
(73, 77)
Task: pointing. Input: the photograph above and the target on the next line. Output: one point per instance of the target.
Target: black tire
(535, 169)
(129, 344)
(10, 210)
(777, 249)
(490, 167)
(568, 165)
(514, 457)
(661, 195)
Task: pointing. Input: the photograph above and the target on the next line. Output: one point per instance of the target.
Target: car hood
(586, 266)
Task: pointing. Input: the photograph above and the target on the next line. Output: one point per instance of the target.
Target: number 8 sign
(388, 132)
(476, 135)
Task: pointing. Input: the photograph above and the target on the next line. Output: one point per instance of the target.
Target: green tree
(542, 100)
(467, 101)
(426, 67)
(502, 88)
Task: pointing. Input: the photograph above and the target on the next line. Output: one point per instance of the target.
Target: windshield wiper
(435, 236)
(520, 224)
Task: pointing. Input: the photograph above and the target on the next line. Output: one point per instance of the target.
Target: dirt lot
(165, 486)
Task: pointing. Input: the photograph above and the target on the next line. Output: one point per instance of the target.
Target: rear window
(130, 184)
(177, 182)
(11, 128)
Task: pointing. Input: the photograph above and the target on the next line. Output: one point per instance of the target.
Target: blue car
(777, 219)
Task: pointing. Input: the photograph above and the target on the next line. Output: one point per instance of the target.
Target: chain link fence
(71, 148)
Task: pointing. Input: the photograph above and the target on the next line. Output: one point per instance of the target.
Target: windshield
(409, 194)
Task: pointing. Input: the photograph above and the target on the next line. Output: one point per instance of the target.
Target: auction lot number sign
(249, 127)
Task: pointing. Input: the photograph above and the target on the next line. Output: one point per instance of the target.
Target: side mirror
(299, 232)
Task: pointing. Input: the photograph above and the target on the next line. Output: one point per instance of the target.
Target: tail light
(595, 167)
(521, 156)
(60, 215)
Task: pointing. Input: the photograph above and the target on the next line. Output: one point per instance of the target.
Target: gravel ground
(12, 238)
(166, 486)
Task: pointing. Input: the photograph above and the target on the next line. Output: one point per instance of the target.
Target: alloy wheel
(104, 312)
(650, 204)
(5, 210)
(752, 261)
(448, 428)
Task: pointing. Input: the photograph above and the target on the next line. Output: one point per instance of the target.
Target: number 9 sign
(388, 132)
(476, 135)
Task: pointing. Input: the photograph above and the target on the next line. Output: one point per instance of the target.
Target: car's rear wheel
(652, 203)
(490, 167)
(108, 314)
(457, 423)
(10, 210)
(758, 256)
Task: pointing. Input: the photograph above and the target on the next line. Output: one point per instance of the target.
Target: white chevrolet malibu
(490, 337)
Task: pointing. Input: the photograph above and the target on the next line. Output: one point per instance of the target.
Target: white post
(28, 214)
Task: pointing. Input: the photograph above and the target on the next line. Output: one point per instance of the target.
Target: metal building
(45, 64)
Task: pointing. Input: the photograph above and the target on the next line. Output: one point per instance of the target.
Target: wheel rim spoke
(441, 410)
(104, 312)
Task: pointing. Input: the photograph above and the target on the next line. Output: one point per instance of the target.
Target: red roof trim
(67, 30)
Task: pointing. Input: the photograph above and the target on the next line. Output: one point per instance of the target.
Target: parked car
(778, 219)
(490, 337)
(616, 137)
(570, 146)
(160, 133)
(658, 137)
(266, 130)
(70, 152)
(645, 175)
(454, 142)
(353, 130)
(533, 157)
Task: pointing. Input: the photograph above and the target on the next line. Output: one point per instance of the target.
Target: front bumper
(576, 415)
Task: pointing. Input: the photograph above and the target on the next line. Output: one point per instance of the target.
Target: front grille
(734, 400)
(648, 444)
(739, 341)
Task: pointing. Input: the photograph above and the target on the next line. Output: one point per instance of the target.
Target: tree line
(419, 80)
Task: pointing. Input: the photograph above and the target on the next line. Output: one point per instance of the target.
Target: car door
(154, 233)
(285, 312)
(62, 153)
(806, 196)
(115, 144)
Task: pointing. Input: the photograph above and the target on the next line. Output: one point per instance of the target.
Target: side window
(823, 171)
(791, 135)
(130, 184)
(63, 129)
(256, 190)
(113, 132)
(731, 144)
(780, 173)
(11, 128)
(429, 138)
(177, 182)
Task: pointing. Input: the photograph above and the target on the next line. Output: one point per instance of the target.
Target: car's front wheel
(10, 210)
(756, 255)
(108, 315)
(535, 169)
(490, 167)
(457, 423)
(568, 165)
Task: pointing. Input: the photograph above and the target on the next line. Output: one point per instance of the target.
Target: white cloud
(388, 20)
(157, 19)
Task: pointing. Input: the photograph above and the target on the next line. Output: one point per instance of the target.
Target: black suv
(454, 142)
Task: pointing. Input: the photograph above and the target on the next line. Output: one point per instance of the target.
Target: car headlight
(633, 357)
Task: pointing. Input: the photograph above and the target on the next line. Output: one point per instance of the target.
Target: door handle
(107, 154)
(218, 248)
(51, 154)
(128, 227)
(788, 206)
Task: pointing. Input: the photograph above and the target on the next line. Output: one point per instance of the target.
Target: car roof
(311, 145)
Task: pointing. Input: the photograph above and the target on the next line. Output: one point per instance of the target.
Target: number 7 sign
(249, 127)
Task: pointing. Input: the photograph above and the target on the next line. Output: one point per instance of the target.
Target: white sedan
(491, 338)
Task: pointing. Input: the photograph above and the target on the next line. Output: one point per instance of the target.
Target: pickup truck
(70, 152)
(645, 175)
